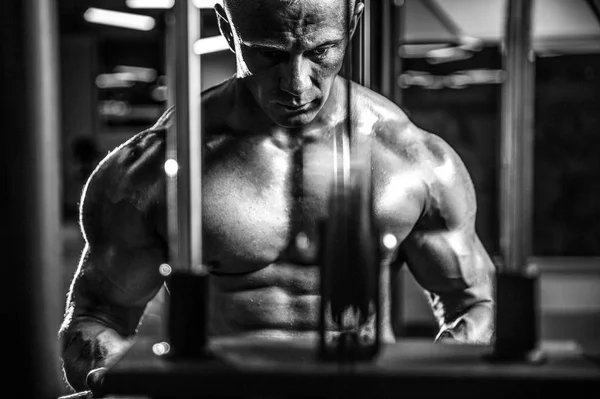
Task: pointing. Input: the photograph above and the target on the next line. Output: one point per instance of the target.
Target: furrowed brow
(265, 46)
(278, 47)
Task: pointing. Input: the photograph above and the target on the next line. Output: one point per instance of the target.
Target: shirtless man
(284, 105)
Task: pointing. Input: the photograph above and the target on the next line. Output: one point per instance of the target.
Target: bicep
(449, 263)
(114, 284)
(118, 272)
(443, 251)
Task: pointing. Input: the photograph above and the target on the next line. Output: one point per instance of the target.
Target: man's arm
(445, 254)
(118, 271)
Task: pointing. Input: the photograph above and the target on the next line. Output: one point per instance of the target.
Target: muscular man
(268, 164)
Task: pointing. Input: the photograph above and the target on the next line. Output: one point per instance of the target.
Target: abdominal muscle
(279, 301)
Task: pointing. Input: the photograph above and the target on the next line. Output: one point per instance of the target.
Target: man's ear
(224, 26)
(358, 11)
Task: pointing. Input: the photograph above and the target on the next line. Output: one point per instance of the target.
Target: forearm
(89, 344)
(474, 325)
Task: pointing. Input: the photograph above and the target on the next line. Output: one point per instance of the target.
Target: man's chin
(294, 120)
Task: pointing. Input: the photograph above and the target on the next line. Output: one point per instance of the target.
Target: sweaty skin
(267, 172)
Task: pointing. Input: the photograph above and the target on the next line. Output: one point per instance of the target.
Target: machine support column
(33, 293)
(187, 317)
(516, 285)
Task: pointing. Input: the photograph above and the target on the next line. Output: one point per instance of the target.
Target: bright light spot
(389, 241)
(209, 45)
(165, 269)
(365, 125)
(150, 3)
(206, 3)
(159, 93)
(161, 348)
(114, 80)
(140, 74)
(302, 241)
(171, 167)
(119, 19)
(445, 172)
(114, 108)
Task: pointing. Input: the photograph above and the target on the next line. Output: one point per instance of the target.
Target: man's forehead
(272, 18)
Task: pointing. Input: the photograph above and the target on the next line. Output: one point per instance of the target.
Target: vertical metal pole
(397, 27)
(188, 281)
(516, 335)
(356, 52)
(393, 37)
(187, 144)
(517, 137)
(365, 48)
(386, 56)
(172, 180)
(31, 236)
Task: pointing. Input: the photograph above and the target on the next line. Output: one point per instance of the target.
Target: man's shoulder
(436, 163)
(132, 173)
(393, 128)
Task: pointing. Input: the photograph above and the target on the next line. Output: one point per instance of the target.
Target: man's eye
(269, 53)
(320, 52)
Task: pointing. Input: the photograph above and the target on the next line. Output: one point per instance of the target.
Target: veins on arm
(444, 252)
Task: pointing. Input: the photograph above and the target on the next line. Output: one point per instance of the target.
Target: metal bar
(365, 48)
(387, 55)
(595, 7)
(187, 240)
(43, 64)
(393, 24)
(195, 138)
(187, 316)
(171, 152)
(31, 225)
(517, 137)
(397, 28)
(443, 17)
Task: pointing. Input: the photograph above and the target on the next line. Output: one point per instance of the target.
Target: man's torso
(262, 197)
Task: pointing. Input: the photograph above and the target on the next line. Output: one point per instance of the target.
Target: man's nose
(295, 77)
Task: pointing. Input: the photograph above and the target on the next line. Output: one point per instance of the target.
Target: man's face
(289, 53)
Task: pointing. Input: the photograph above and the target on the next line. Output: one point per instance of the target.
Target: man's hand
(90, 350)
(95, 378)
(446, 338)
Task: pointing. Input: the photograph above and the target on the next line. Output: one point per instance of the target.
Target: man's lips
(294, 107)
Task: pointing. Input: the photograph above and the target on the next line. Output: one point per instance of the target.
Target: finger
(95, 378)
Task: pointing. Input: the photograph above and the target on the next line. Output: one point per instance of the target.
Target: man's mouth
(294, 107)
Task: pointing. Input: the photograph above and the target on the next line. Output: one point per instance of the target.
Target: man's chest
(262, 202)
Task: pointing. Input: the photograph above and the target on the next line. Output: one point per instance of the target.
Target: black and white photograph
(272, 199)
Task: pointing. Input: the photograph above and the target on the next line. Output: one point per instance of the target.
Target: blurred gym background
(112, 81)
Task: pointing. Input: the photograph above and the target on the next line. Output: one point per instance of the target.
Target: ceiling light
(206, 3)
(139, 74)
(154, 4)
(119, 19)
(210, 45)
(115, 80)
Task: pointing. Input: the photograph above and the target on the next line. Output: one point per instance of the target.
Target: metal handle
(78, 395)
